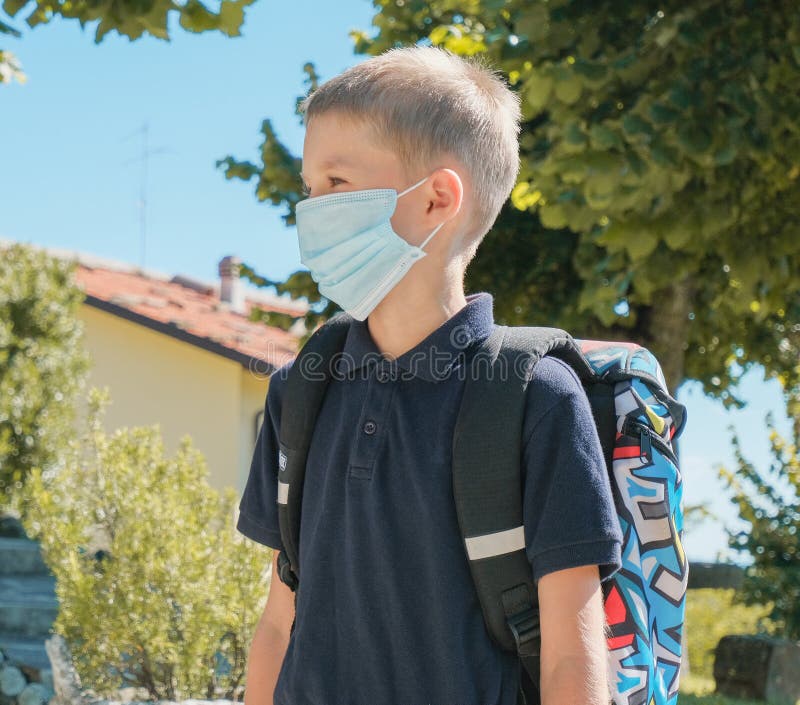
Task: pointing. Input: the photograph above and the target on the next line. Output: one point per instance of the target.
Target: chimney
(231, 290)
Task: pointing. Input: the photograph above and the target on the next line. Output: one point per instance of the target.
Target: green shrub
(769, 502)
(156, 588)
(712, 613)
(42, 363)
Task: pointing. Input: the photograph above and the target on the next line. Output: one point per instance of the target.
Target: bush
(712, 613)
(42, 363)
(769, 502)
(156, 588)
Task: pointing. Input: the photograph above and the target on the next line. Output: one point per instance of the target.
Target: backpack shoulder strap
(306, 382)
(487, 483)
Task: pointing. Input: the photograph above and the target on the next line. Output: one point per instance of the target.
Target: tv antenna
(144, 159)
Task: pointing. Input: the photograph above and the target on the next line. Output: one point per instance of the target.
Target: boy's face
(340, 154)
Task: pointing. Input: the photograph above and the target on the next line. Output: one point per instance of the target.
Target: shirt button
(370, 427)
(383, 375)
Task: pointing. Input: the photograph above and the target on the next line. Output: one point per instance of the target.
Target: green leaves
(568, 86)
(231, 16)
(524, 196)
(694, 138)
(12, 7)
(196, 17)
(663, 114)
(599, 191)
(553, 216)
(143, 550)
(134, 18)
(533, 22)
(457, 38)
(594, 74)
(641, 245)
(278, 174)
(538, 88)
(42, 362)
(575, 138)
(678, 232)
(603, 137)
(682, 96)
(768, 502)
(634, 125)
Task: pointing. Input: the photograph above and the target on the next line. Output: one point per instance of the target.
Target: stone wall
(715, 575)
(758, 668)
(21, 684)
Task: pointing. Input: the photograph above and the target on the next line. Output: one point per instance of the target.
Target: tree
(659, 193)
(129, 18)
(769, 503)
(42, 363)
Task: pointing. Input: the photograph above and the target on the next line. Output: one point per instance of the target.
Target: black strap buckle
(526, 630)
(285, 572)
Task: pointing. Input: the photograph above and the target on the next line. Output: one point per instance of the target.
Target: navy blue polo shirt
(387, 613)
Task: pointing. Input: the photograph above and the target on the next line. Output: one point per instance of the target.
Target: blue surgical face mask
(347, 243)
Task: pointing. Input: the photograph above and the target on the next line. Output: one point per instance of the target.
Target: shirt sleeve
(568, 510)
(258, 508)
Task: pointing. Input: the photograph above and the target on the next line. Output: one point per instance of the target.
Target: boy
(387, 613)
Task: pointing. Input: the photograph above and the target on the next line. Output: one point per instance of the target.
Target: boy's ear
(446, 194)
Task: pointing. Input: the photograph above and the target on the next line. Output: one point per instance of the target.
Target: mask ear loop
(436, 229)
(428, 239)
(411, 188)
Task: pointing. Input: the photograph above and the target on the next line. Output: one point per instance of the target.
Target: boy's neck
(396, 325)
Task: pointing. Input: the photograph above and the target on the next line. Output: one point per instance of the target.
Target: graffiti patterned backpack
(637, 421)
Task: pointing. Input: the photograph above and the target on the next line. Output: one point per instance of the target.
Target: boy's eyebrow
(335, 161)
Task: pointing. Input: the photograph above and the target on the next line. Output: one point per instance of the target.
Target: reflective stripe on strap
(283, 492)
(495, 544)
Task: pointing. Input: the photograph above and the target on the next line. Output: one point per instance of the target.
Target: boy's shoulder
(557, 407)
(553, 383)
(276, 383)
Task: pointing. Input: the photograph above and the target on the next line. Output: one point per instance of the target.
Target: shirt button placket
(375, 410)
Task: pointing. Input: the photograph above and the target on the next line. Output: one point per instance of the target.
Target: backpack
(637, 422)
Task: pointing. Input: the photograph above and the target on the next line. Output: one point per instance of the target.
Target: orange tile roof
(191, 311)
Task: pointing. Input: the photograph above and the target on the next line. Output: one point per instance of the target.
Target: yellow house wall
(154, 378)
(254, 391)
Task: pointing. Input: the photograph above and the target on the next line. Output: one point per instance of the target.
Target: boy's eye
(332, 180)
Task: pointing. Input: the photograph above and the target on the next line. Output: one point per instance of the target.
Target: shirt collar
(433, 358)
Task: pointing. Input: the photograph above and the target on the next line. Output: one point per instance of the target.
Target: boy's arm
(573, 657)
(270, 640)
(258, 520)
(572, 534)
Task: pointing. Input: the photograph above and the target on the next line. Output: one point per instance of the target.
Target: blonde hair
(425, 102)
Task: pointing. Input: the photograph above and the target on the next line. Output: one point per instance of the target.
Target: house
(173, 351)
(183, 354)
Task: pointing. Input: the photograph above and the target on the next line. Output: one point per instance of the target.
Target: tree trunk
(667, 328)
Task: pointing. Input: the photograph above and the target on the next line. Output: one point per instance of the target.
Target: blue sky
(70, 172)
